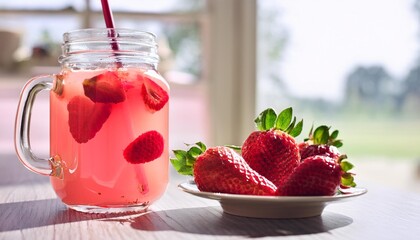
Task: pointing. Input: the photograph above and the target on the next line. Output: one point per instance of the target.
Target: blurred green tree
(371, 89)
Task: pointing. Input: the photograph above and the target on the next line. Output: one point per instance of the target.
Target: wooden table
(30, 210)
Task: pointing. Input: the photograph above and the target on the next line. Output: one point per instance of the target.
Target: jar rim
(82, 34)
(98, 45)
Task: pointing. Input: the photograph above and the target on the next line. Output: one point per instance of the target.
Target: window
(351, 66)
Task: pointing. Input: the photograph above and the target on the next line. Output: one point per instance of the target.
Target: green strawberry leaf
(348, 180)
(347, 176)
(297, 129)
(180, 154)
(284, 118)
(183, 162)
(201, 146)
(180, 162)
(186, 171)
(337, 143)
(192, 154)
(291, 126)
(195, 151)
(321, 135)
(346, 166)
(334, 134)
(189, 160)
(266, 120)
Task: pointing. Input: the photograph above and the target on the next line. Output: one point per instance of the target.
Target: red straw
(109, 20)
(109, 23)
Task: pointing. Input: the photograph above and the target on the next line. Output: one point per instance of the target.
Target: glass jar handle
(24, 152)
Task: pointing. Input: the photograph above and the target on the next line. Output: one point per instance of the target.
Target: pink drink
(96, 172)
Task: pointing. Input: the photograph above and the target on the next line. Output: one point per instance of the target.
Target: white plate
(271, 206)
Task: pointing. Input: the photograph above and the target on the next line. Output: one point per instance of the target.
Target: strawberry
(272, 150)
(104, 88)
(145, 148)
(86, 117)
(308, 150)
(153, 95)
(320, 142)
(221, 169)
(318, 175)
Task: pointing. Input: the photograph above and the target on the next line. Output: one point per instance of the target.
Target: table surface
(29, 209)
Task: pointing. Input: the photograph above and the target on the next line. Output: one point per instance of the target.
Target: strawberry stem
(235, 147)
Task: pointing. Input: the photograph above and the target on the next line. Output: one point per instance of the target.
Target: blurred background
(352, 65)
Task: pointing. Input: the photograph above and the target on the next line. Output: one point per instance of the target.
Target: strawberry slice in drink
(86, 117)
(104, 88)
(154, 96)
(145, 148)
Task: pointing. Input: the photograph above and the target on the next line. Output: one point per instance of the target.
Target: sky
(328, 38)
